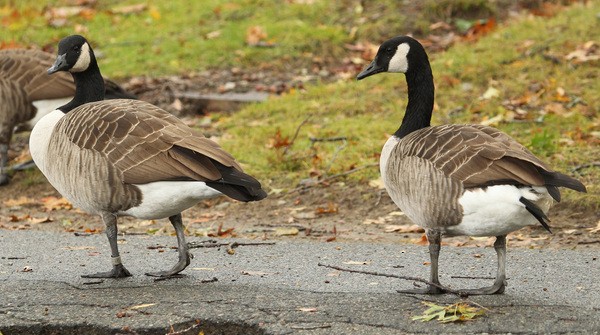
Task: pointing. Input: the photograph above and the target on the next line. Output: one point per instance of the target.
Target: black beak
(59, 65)
(372, 69)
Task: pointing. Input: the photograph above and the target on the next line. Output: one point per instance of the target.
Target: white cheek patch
(399, 63)
(84, 59)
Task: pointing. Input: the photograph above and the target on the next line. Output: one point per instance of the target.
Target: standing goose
(27, 93)
(128, 157)
(458, 179)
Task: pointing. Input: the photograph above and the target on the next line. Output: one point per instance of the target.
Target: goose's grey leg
(435, 239)
(182, 247)
(3, 161)
(118, 270)
(500, 282)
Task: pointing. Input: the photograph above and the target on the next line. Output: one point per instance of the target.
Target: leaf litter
(457, 312)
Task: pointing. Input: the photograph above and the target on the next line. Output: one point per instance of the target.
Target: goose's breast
(40, 138)
(422, 192)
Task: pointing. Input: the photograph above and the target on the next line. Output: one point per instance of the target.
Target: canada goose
(458, 179)
(27, 93)
(128, 157)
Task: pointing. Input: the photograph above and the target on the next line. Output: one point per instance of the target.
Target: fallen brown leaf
(39, 220)
(403, 229)
(255, 34)
(54, 203)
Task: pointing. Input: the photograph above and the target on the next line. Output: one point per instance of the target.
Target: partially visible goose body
(459, 179)
(27, 93)
(128, 157)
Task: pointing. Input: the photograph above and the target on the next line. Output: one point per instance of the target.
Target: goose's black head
(400, 54)
(74, 55)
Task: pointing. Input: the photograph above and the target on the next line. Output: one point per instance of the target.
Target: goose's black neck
(89, 87)
(421, 91)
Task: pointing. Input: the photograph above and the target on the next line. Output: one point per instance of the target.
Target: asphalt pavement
(280, 289)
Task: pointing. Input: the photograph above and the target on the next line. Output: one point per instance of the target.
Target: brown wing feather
(475, 155)
(28, 68)
(144, 142)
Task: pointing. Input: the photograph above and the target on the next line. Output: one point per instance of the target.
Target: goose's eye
(76, 48)
(389, 49)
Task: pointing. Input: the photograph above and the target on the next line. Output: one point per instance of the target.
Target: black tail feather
(237, 185)
(553, 180)
(536, 212)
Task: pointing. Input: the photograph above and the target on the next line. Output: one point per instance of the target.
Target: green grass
(367, 111)
(172, 37)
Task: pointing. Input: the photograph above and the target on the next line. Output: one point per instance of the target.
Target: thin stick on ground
(296, 134)
(585, 166)
(380, 274)
(230, 245)
(328, 139)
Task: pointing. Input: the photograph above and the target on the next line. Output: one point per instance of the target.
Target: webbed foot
(497, 288)
(184, 261)
(429, 289)
(118, 271)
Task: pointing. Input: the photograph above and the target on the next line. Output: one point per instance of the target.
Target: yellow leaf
(40, 220)
(154, 13)
(285, 231)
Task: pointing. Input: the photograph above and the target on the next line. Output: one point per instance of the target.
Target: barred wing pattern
(474, 155)
(28, 68)
(143, 142)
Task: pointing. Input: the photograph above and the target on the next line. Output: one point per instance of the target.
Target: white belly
(496, 210)
(166, 198)
(40, 137)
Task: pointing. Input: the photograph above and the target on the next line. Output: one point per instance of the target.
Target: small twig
(585, 166)
(212, 280)
(175, 276)
(342, 139)
(446, 289)
(328, 139)
(96, 282)
(379, 196)
(310, 327)
(335, 154)
(296, 134)
(589, 242)
(214, 244)
(183, 331)
(473, 277)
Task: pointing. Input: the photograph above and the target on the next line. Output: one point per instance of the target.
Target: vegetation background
(528, 67)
